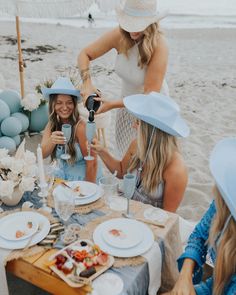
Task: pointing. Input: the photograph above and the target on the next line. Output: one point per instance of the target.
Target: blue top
(76, 171)
(197, 250)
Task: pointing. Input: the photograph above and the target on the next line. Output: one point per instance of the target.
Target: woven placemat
(87, 233)
(81, 209)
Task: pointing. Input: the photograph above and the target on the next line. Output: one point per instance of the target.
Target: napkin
(156, 214)
(3, 279)
(107, 284)
(154, 267)
(118, 203)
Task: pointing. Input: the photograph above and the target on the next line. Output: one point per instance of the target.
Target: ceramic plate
(85, 189)
(43, 230)
(139, 249)
(81, 201)
(122, 234)
(17, 227)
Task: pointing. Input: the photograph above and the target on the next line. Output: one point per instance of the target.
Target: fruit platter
(80, 262)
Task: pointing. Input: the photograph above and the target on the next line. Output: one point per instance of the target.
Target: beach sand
(201, 78)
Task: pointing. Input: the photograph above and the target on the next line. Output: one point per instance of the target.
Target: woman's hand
(87, 89)
(96, 146)
(57, 137)
(183, 286)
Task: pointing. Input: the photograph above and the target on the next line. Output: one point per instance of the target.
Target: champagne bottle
(92, 105)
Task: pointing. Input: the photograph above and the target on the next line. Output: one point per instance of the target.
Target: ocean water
(180, 14)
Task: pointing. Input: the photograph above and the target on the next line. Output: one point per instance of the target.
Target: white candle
(40, 166)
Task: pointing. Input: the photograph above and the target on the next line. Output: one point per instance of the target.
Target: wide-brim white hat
(137, 15)
(159, 111)
(62, 85)
(223, 169)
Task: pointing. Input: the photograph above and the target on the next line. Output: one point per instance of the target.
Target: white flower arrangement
(31, 102)
(19, 170)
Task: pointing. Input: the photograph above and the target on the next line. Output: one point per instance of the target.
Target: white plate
(43, 224)
(122, 234)
(78, 200)
(10, 224)
(139, 249)
(87, 189)
(156, 214)
(107, 284)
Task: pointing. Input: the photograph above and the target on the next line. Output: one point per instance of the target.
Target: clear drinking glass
(64, 205)
(66, 129)
(129, 185)
(90, 133)
(110, 186)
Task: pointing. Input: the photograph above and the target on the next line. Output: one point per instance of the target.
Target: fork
(31, 238)
(66, 185)
(144, 220)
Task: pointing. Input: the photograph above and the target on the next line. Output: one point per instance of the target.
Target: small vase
(39, 118)
(14, 199)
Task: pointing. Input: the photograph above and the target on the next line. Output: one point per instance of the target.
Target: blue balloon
(11, 126)
(4, 110)
(8, 143)
(17, 139)
(24, 120)
(12, 99)
(39, 118)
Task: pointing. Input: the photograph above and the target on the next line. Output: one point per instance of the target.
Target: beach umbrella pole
(20, 58)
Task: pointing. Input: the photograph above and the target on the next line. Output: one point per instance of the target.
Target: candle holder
(43, 194)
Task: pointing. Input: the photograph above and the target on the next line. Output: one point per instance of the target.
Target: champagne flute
(66, 129)
(129, 188)
(90, 132)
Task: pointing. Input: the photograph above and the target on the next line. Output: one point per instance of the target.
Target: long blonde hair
(161, 150)
(146, 45)
(55, 125)
(225, 265)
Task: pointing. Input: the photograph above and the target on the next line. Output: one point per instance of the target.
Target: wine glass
(66, 129)
(64, 205)
(90, 132)
(129, 185)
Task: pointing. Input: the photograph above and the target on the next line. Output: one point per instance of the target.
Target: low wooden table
(34, 271)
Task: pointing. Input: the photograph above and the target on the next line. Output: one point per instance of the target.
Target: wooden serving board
(66, 277)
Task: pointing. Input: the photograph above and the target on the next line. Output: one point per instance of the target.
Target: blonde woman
(161, 175)
(215, 234)
(141, 61)
(63, 99)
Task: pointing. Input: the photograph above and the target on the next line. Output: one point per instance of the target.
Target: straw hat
(61, 86)
(223, 169)
(137, 15)
(159, 111)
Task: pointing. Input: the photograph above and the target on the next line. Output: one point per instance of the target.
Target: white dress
(132, 83)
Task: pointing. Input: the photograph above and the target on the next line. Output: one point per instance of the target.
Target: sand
(201, 78)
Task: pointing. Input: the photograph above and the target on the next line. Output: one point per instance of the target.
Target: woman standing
(63, 99)
(161, 175)
(141, 62)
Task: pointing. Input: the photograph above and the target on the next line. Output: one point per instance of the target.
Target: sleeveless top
(76, 171)
(156, 199)
(132, 83)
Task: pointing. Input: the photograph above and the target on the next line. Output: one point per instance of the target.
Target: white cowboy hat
(223, 169)
(159, 111)
(137, 15)
(61, 86)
